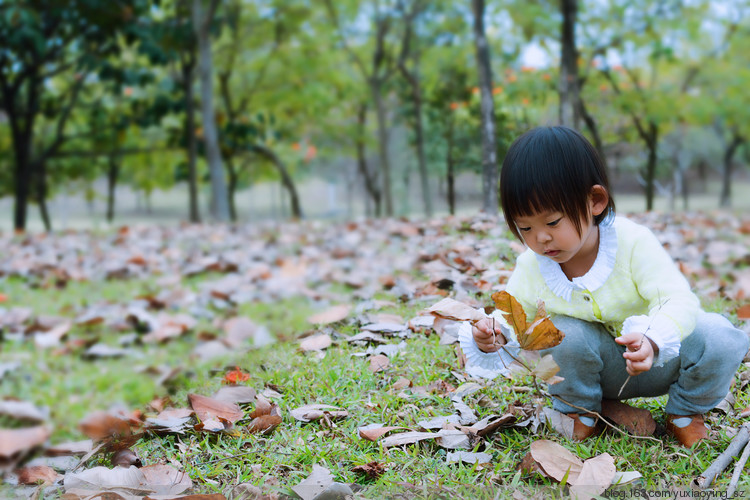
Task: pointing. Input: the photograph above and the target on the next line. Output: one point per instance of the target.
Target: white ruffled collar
(594, 278)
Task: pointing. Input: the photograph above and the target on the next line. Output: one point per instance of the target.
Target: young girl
(610, 287)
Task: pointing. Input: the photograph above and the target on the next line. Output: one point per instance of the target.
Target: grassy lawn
(307, 268)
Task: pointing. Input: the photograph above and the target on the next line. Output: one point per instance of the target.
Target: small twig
(737, 471)
(605, 420)
(722, 461)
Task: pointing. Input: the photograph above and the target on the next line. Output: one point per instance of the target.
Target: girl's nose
(543, 236)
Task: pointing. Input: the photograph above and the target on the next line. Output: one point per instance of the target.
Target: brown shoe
(691, 433)
(582, 431)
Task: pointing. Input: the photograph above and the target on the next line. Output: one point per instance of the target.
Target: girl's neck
(582, 262)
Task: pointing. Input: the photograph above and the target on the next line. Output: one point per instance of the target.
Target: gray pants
(593, 367)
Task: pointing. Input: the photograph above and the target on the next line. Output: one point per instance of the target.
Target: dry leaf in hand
(540, 334)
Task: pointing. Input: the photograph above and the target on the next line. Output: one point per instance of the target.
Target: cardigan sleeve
(672, 306)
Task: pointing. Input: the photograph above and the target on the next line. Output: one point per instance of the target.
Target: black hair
(551, 168)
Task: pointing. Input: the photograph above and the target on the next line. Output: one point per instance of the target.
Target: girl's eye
(524, 229)
(554, 222)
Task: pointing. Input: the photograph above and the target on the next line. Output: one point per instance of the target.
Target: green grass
(73, 387)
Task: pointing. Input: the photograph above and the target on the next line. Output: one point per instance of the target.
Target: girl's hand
(482, 331)
(639, 354)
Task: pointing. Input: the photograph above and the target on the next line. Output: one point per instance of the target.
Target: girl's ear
(598, 199)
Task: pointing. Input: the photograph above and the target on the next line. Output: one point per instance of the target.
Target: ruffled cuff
(659, 329)
(486, 364)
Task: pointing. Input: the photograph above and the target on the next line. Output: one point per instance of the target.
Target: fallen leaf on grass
(401, 383)
(266, 416)
(78, 448)
(446, 438)
(637, 421)
(320, 484)
(209, 408)
(159, 479)
(373, 432)
(587, 479)
(38, 474)
(53, 337)
(316, 342)
(308, 413)
(468, 457)
(743, 312)
(557, 462)
(235, 394)
(540, 334)
(454, 310)
(331, 315)
(235, 376)
(378, 363)
(489, 425)
(103, 425)
(24, 411)
(125, 458)
(373, 470)
(596, 475)
(559, 422)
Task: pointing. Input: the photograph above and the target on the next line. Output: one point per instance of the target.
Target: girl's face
(553, 234)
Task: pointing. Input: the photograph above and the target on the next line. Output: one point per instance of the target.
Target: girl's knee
(581, 337)
(716, 338)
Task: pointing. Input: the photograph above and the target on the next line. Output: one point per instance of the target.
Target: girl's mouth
(552, 253)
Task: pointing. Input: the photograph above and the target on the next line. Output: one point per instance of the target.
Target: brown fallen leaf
(596, 475)
(320, 484)
(331, 315)
(401, 383)
(264, 424)
(103, 425)
(153, 479)
(38, 474)
(77, 448)
(454, 310)
(125, 458)
(378, 363)
(373, 432)
(372, 470)
(556, 461)
(308, 413)
(316, 342)
(209, 408)
(540, 334)
(743, 312)
(637, 421)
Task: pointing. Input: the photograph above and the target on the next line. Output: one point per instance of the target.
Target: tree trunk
(286, 179)
(489, 146)
(419, 130)
(593, 129)
(201, 23)
(232, 189)
(725, 200)
(40, 171)
(113, 173)
(652, 142)
(451, 169)
(385, 163)
(22, 183)
(568, 84)
(370, 183)
(188, 69)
